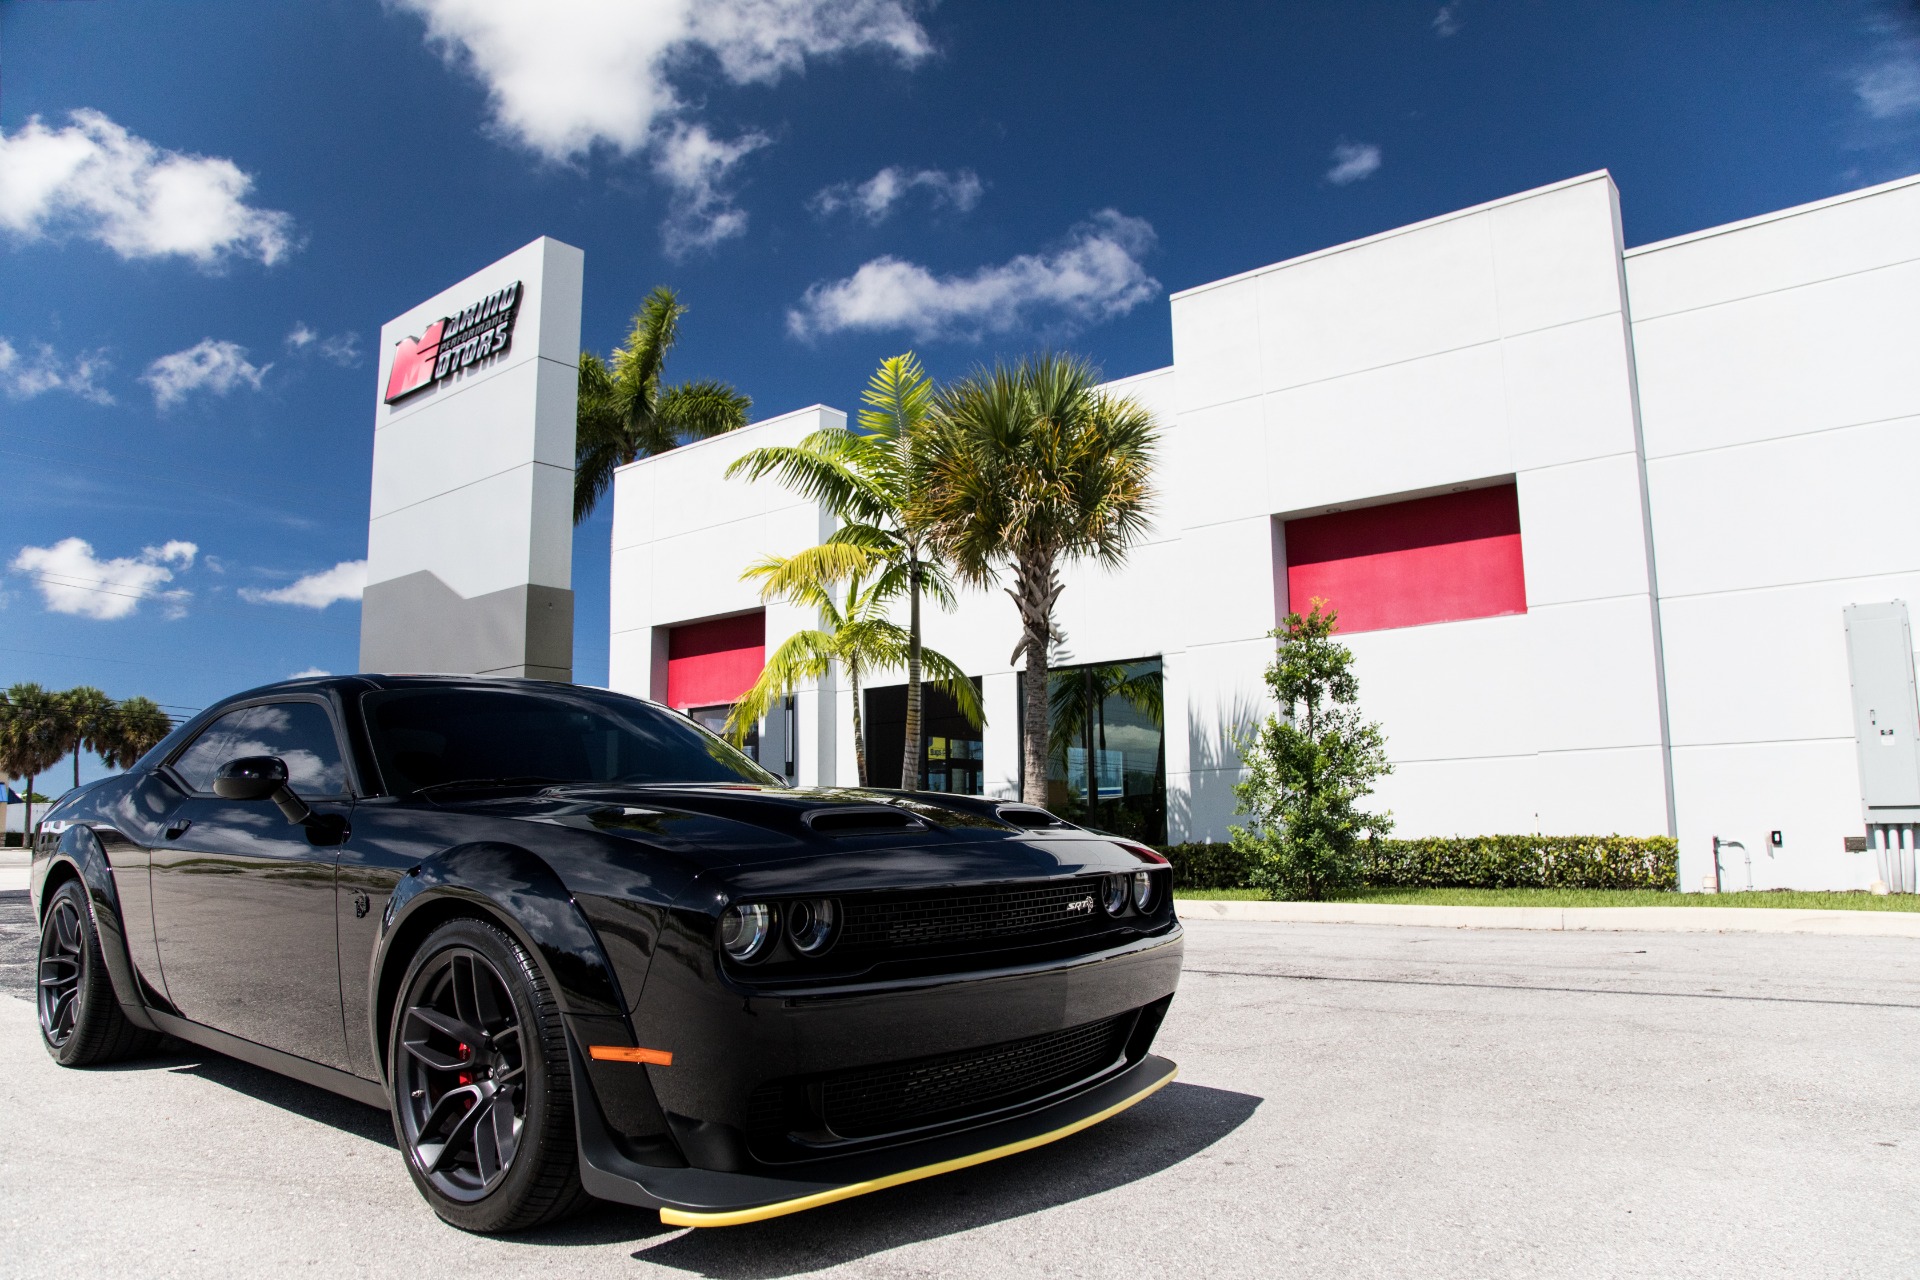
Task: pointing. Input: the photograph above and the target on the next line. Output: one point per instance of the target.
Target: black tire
(80, 1020)
(478, 1079)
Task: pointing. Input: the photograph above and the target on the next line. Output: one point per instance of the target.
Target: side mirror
(260, 778)
(250, 778)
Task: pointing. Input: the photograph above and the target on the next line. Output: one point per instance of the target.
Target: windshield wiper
(528, 780)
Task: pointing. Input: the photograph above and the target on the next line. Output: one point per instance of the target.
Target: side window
(300, 733)
(204, 756)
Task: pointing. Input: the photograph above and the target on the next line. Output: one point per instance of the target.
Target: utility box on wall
(1886, 713)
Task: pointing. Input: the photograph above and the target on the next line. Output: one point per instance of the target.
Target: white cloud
(73, 580)
(565, 76)
(345, 581)
(1353, 161)
(218, 367)
(875, 198)
(695, 164)
(24, 377)
(309, 674)
(1891, 87)
(1094, 275)
(342, 349)
(95, 179)
(1447, 21)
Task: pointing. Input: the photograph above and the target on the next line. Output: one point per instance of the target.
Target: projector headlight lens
(1143, 891)
(811, 923)
(745, 929)
(1113, 894)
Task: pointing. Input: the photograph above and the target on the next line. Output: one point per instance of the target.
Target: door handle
(177, 829)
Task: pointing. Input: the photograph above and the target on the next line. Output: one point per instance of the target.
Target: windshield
(433, 737)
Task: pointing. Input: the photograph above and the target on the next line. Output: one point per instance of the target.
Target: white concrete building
(1590, 514)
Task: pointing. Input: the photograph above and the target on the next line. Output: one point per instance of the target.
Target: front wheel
(80, 1020)
(479, 1083)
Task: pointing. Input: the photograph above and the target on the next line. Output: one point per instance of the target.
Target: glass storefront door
(951, 758)
(1107, 763)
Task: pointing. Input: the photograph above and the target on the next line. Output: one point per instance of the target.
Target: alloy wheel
(62, 965)
(463, 1100)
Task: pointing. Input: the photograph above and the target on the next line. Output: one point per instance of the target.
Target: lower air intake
(909, 1095)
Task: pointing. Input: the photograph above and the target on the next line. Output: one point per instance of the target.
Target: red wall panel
(715, 662)
(1435, 559)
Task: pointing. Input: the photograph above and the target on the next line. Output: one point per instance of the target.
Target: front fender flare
(518, 889)
(81, 848)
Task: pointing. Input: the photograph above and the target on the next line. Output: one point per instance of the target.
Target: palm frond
(802, 656)
(946, 673)
(805, 576)
(701, 410)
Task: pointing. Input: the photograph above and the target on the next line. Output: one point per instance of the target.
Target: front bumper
(689, 1197)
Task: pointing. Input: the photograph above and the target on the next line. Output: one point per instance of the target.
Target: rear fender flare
(516, 889)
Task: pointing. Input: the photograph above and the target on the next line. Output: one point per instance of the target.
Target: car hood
(839, 839)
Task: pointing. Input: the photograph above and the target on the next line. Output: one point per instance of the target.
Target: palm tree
(867, 479)
(32, 737)
(626, 414)
(1078, 709)
(1030, 465)
(89, 724)
(139, 727)
(854, 632)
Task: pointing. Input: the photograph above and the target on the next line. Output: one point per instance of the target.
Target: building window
(1440, 559)
(950, 748)
(714, 662)
(1106, 758)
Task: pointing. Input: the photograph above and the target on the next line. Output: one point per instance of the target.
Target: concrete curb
(1862, 924)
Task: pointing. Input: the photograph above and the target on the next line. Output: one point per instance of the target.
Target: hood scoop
(1028, 817)
(861, 820)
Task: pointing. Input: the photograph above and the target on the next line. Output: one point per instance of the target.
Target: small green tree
(1309, 767)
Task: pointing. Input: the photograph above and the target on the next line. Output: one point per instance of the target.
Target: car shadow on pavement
(1181, 1122)
(307, 1101)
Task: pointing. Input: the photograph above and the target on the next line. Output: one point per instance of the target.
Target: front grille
(926, 1091)
(970, 915)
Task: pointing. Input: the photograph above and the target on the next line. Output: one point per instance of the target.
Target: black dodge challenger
(579, 947)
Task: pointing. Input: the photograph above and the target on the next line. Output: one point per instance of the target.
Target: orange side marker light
(621, 1053)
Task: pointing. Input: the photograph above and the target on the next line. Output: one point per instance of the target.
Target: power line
(79, 657)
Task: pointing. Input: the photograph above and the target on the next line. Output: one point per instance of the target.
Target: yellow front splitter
(740, 1217)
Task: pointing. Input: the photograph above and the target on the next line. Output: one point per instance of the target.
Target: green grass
(1857, 901)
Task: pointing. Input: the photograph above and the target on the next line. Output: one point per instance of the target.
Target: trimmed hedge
(1468, 862)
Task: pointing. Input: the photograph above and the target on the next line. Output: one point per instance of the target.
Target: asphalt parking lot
(1354, 1101)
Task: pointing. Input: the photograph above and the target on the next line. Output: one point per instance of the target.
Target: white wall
(1780, 391)
(1705, 477)
(1487, 344)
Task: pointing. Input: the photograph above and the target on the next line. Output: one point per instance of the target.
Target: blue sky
(207, 210)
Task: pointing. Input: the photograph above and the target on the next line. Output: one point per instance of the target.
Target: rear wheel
(80, 1020)
(481, 1092)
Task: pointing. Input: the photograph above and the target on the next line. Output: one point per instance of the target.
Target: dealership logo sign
(453, 343)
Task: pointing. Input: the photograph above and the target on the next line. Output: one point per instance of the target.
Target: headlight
(1143, 891)
(810, 924)
(746, 929)
(1113, 894)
